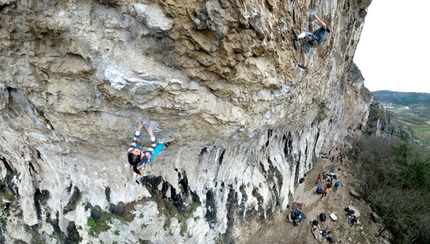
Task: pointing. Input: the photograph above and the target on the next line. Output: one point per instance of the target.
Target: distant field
(417, 117)
(417, 120)
(421, 132)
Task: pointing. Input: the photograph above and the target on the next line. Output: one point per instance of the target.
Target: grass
(7, 194)
(416, 119)
(421, 131)
(93, 226)
(165, 206)
(3, 220)
(167, 224)
(342, 229)
(101, 224)
(184, 228)
(192, 208)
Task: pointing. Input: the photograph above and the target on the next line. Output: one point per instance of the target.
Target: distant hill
(403, 98)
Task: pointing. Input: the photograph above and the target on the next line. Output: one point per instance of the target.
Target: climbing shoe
(296, 36)
(303, 67)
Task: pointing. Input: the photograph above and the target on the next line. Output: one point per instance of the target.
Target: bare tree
(394, 177)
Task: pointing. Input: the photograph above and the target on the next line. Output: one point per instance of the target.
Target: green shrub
(92, 224)
(100, 224)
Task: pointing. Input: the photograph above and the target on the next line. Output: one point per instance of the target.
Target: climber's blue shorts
(157, 150)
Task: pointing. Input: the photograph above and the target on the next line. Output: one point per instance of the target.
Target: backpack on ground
(322, 217)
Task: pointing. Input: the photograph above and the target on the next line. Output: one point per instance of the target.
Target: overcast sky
(394, 49)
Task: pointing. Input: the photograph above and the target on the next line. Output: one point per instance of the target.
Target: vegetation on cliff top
(403, 98)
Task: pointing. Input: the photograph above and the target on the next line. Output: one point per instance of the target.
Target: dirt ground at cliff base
(280, 230)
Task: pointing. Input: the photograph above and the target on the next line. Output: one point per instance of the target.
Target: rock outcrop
(218, 76)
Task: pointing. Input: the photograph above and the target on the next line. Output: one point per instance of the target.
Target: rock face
(219, 77)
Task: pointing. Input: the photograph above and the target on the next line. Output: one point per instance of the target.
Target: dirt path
(280, 230)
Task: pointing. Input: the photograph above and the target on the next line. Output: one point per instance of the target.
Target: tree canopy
(394, 178)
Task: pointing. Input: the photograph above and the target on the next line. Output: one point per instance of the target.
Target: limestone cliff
(219, 77)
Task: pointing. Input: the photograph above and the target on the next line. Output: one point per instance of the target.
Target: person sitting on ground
(353, 219)
(349, 212)
(319, 190)
(139, 157)
(314, 222)
(325, 232)
(313, 39)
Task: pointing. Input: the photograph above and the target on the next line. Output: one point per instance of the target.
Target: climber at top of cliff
(313, 39)
(138, 156)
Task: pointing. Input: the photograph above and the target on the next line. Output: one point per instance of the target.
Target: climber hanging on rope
(139, 157)
(313, 39)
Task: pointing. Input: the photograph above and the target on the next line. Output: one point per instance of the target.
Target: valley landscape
(412, 110)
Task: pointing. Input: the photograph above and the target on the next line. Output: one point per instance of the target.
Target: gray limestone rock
(218, 80)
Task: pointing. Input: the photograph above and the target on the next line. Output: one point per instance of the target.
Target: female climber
(139, 157)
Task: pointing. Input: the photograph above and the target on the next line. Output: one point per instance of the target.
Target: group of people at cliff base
(296, 215)
(329, 178)
(313, 40)
(339, 157)
(317, 231)
(138, 156)
(324, 182)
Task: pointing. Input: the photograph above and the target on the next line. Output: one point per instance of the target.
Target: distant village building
(388, 105)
